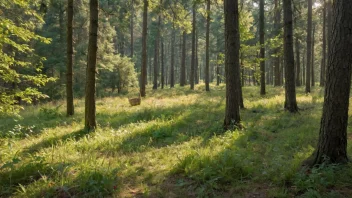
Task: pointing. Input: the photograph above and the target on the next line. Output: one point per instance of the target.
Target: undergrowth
(172, 145)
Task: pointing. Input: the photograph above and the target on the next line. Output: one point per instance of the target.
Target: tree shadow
(33, 124)
(53, 141)
(11, 179)
(165, 127)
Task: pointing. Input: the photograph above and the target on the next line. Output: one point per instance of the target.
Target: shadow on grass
(248, 158)
(33, 124)
(53, 141)
(11, 179)
(160, 127)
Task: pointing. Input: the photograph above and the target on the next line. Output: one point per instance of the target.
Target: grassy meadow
(172, 145)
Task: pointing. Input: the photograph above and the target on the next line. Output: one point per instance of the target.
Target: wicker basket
(135, 101)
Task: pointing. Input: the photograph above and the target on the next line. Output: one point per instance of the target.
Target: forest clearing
(175, 98)
(172, 145)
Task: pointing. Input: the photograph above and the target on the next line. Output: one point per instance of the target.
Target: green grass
(172, 145)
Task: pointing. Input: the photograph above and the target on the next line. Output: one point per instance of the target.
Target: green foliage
(20, 68)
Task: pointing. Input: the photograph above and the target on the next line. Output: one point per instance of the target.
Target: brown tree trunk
(69, 72)
(183, 63)
(262, 48)
(304, 69)
(172, 69)
(90, 122)
(193, 60)
(196, 68)
(217, 71)
(309, 47)
(144, 50)
(290, 89)
(232, 65)
(162, 64)
(156, 56)
(207, 55)
(132, 28)
(323, 61)
(298, 63)
(313, 58)
(332, 145)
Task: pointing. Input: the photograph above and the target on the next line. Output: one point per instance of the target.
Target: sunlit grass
(172, 145)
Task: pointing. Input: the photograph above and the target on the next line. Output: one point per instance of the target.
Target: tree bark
(290, 89)
(132, 28)
(323, 61)
(183, 63)
(156, 56)
(207, 54)
(69, 72)
(144, 49)
(313, 58)
(262, 47)
(332, 145)
(162, 64)
(196, 67)
(193, 60)
(298, 63)
(309, 47)
(232, 65)
(90, 122)
(172, 69)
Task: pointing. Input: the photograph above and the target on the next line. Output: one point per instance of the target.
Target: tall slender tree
(69, 72)
(172, 68)
(323, 61)
(290, 87)
(183, 60)
(262, 47)
(144, 50)
(298, 62)
(162, 64)
(232, 64)
(132, 28)
(90, 122)
(332, 145)
(193, 58)
(156, 52)
(277, 50)
(207, 54)
(313, 56)
(309, 47)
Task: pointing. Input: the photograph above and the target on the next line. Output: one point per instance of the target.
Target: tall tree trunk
(172, 69)
(196, 68)
(313, 58)
(262, 47)
(304, 69)
(193, 60)
(90, 122)
(69, 72)
(207, 53)
(132, 28)
(217, 71)
(183, 63)
(156, 56)
(323, 61)
(332, 145)
(298, 63)
(309, 47)
(290, 89)
(144, 78)
(232, 65)
(329, 25)
(162, 64)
